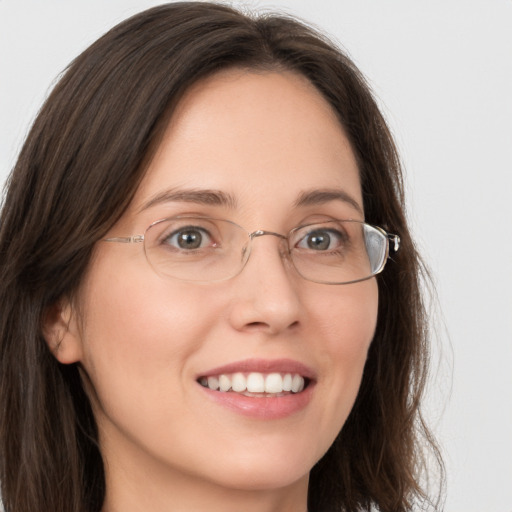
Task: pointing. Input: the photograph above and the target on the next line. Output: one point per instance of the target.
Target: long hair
(76, 174)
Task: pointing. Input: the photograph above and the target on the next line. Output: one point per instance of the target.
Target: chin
(267, 466)
(268, 478)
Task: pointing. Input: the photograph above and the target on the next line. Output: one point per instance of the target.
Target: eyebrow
(212, 197)
(322, 196)
(208, 197)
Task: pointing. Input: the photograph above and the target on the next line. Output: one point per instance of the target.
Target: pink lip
(265, 408)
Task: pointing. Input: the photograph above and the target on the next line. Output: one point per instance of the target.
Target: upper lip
(262, 366)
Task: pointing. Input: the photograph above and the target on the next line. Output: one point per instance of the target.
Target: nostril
(263, 326)
(257, 325)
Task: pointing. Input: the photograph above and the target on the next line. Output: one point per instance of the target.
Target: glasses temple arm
(126, 239)
(396, 241)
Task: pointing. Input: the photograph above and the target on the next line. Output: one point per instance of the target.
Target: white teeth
(287, 382)
(213, 383)
(224, 383)
(274, 383)
(255, 382)
(297, 383)
(239, 382)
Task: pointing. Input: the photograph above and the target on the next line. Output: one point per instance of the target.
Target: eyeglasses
(204, 249)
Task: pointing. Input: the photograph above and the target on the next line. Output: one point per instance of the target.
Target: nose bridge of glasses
(282, 239)
(261, 232)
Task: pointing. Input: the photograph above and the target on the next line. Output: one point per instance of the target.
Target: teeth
(213, 383)
(239, 382)
(274, 383)
(297, 384)
(224, 383)
(255, 382)
(287, 382)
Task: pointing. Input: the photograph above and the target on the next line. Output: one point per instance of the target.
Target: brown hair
(76, 174)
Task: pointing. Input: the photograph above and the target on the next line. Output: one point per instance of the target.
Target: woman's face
(263, 140)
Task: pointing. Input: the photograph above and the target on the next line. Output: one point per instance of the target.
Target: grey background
(442, 71)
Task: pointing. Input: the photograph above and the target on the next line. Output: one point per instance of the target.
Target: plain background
(442, 71)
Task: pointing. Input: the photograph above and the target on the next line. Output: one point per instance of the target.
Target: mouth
(256, 384)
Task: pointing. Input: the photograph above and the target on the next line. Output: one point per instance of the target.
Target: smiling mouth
(256, 384)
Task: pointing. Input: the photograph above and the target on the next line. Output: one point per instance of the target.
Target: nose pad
(286, 257)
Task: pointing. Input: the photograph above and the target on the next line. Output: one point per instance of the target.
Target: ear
(61, 332)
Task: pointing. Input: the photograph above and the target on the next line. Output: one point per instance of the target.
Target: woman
(191, 313)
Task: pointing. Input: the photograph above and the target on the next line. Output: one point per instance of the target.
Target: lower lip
(265, 408)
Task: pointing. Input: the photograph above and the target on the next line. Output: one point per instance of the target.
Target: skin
(142, 340)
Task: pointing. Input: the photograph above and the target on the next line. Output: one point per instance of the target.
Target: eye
(322, 240)
(188, 238)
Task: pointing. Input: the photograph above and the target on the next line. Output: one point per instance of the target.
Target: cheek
(138, 334)
(348, 319)
(348, 316)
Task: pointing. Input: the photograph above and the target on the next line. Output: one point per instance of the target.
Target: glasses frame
(393, 240)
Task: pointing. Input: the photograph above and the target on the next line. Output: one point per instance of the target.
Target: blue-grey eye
(321, 240)
(189, 238)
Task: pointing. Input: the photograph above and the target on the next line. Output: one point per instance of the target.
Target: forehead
(261, 137)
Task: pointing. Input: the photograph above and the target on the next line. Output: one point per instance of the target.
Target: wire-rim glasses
(205, 249)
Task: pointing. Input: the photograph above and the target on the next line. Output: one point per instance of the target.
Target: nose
(266, 296)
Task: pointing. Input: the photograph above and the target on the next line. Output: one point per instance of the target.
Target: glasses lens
(196, 248)
(338, 252)
(204, 249)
